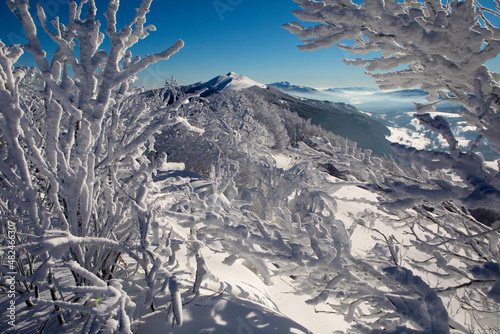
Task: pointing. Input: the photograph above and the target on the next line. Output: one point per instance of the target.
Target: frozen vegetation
(173, 210)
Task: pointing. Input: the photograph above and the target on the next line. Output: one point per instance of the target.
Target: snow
(446, 115)
(294, 307)
(282, 161)
(238, 301)
(407, 137)
(493, 164)
(248, 303)
(232, 81)
(239, 82)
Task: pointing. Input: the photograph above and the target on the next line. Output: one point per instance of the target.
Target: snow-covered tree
(439, 46)
(74, 173)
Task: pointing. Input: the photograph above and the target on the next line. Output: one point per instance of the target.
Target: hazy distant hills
(368, 99)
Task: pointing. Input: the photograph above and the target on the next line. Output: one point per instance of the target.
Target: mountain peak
(232, 81)
(237, 81)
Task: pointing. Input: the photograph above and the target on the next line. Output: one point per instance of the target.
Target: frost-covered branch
(443, 45)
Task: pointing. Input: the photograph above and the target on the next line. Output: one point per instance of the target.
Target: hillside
(394, 109)
(342, 119)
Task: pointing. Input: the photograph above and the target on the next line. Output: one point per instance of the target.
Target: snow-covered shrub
(270, 115)
(228, 125)
(74, 173)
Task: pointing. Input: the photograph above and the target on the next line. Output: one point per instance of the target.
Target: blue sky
(243, 36)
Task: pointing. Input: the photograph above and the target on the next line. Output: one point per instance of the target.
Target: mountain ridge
(229, 81)
(339, 118)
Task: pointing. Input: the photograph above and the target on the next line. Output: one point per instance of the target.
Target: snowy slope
(407, 130)
(290, 212)
(236, 298)
(339, 118)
